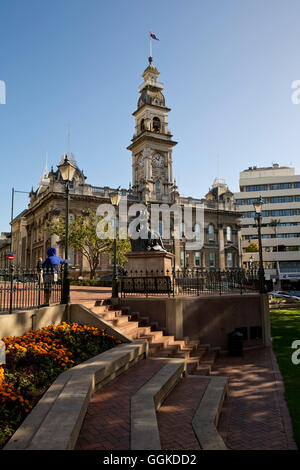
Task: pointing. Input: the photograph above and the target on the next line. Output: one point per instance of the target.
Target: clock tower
(152, 144)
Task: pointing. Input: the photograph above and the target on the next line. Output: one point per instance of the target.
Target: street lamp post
(67, 171)
(115, 200)
(261, 273)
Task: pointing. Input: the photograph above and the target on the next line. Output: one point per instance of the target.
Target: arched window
(228, 234)
(142, 125)
(211, 233)
(156, 124)
(157, 187)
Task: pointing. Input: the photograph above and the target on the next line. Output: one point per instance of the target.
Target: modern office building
(280, 190)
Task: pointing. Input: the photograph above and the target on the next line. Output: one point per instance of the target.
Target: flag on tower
(153, 36)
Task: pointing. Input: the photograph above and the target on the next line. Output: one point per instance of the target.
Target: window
(211, 260)
(297, 198)
(229, 260)
(240, 202)
(156, 124)
(197, 258)
(259, 187)
(142, 125)
(287, 235)
(284, 212)
(157, 187)
(256, 199)
(160, 227)
(182, 230)
(252, 214)
(281, 186)
(197, 232)
(211, 233)
(228, 234)
(182, 259)
(280, 199)
(297, 185)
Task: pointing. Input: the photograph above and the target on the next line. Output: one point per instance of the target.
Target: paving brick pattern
(254, 415)
(107, 422)
(175, 416)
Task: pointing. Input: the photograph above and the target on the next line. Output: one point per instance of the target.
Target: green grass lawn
(285, 325)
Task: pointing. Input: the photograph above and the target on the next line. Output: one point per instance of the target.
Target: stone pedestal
(154, 262)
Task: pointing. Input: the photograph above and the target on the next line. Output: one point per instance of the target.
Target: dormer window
(156, 124)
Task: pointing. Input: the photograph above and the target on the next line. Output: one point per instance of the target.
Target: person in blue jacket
(51, 263)
(50, 269)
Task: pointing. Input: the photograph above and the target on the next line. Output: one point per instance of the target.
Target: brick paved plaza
(254, 415)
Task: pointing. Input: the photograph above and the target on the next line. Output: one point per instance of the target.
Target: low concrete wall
(16, 324)
(209, 318)
(56, 420)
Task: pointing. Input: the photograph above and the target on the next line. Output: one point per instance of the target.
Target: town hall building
(152, 183)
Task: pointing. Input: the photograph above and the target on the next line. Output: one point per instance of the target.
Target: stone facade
(152, 183)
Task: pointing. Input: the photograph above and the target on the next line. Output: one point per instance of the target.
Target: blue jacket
(53, 260)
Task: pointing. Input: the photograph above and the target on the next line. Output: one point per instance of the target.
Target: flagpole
(150, 47)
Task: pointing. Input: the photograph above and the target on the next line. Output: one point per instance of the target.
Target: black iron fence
(196, 281)
(22, 288)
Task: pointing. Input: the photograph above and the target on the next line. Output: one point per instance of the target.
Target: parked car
(284, 294)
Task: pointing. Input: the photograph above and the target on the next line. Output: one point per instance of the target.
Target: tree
(252, 248)
(83, 238)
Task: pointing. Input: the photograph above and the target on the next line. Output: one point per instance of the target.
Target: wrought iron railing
(22, 288)
(194, 281)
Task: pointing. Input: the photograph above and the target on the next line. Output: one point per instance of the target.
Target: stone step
(119, 321)
(152, 335)
(100, 309)
(191, 364)
(129, 327)
(109, 315)
(169, 351)
(206, 363)
(162, 339)
(144, 330)
(154, 349)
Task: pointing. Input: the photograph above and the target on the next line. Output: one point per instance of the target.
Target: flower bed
(35, 359)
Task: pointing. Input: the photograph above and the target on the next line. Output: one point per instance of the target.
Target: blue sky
(227, 66)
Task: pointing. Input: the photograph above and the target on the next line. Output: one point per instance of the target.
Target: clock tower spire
(152, 144)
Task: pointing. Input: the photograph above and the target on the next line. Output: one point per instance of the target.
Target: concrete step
(119, 321)
(169, 351)
(144, 330)
(206, 363)
(152, 335)
(129, 327)
(154, 349)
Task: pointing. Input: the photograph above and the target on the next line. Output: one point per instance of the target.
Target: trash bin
(235, 343)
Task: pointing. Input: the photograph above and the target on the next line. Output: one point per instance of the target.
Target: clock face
(158, 160)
